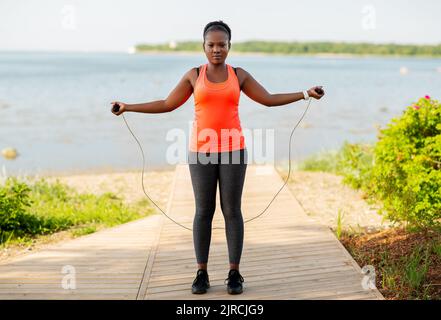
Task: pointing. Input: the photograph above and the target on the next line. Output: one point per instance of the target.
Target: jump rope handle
(319, 90)
(116, 107)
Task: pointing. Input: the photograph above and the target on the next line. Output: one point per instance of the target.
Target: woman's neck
(216, 67)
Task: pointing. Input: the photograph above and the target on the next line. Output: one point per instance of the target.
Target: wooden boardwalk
(286, 255)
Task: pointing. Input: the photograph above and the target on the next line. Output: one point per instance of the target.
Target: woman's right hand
(122, 107)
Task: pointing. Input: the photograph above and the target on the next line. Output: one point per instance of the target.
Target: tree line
(305, 48)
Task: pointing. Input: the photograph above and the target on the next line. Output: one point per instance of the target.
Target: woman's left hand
(313, 93)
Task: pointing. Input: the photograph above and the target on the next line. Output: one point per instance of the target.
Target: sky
(117, 25)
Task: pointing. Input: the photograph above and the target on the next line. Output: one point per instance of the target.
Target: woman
(216, 87)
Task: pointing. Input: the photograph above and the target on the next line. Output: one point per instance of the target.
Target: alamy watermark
(368, 281)
(68, 17)
(259, 146)
(68, 282)
(369, 18)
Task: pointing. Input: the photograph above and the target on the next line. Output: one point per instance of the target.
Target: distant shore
(263, 54)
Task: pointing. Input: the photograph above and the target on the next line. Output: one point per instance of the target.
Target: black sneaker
(201, 283)
(234, 282)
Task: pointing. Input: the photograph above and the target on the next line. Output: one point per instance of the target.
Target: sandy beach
(125, 184)
(323, 194)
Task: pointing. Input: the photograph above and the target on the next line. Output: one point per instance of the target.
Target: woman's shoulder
(241, 74)
(196, 70)
(240, 69)
(193, 74)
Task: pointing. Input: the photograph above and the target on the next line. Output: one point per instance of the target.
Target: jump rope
(116, 108)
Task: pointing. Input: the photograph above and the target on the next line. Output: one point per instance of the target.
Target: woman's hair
(218, 26)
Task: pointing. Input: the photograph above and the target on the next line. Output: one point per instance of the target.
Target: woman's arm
(175, 99)
(256, 92)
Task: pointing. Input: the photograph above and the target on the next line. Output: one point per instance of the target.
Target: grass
(437, 249)
(339, 223)
(407, 264)
(416, 267)
(353, 161)
(84, 230)
(34, 209)
(326, 161)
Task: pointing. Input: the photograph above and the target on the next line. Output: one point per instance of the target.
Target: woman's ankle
(234, 266)
(202, 266)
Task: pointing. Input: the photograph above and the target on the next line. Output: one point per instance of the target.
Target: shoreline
(113, 170)
(91, 171)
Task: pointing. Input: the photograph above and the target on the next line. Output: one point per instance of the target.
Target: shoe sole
(200, 292)
(230, 291)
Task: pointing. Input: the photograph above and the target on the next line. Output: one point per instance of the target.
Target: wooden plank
(283, 273)
(246, 270)
(287, 289)
(269, 280)
(148, 268)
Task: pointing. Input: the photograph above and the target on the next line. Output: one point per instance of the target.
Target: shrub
(14, 199)
(406, 174)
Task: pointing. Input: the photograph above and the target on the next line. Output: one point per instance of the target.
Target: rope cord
(286, 181)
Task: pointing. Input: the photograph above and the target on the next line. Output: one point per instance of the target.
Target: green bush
(44, 208)
(406, 174)
(401, 170)
(14, 197)
(14, 218)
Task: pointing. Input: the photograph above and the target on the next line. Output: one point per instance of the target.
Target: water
(55, 107)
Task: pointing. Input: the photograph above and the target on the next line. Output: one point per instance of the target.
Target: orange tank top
(216, 126)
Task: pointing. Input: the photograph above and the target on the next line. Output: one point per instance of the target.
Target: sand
(157, 184)
(323, 194)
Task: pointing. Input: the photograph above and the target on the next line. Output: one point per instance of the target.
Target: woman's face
(216, 46)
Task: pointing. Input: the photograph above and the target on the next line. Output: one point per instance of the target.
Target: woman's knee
(203, 212)
(233, 213)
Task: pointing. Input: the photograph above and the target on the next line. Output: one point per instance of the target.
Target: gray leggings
(205, 170)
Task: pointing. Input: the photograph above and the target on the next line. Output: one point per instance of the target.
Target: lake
(55, 107)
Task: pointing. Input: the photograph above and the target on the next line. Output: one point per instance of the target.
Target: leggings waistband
(229, 157)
